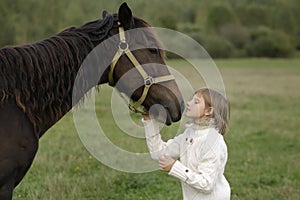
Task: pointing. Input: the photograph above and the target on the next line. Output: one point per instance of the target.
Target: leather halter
(148, 80)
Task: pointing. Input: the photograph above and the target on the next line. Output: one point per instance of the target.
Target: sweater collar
(203, 124)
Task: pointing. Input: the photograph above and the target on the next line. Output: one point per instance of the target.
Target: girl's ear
(209, 111)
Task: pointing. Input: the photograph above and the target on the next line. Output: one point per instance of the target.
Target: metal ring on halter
(148, 81)
(123, 46)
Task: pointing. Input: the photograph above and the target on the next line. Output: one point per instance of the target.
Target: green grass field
(263, 143)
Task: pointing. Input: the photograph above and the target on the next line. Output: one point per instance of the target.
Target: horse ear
(125, 16)
(104, 14)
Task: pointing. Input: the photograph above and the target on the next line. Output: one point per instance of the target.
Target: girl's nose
(188, 103)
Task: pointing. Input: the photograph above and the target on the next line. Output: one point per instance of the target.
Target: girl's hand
(146, 115)
(166, 163)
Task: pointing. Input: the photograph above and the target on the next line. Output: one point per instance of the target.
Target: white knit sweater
(203, 156)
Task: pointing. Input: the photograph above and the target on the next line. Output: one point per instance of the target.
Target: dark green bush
(219, 15)
(199, 36)
(238, 35)
(270, 44)
(254, 14)
(218, 47)
(260, 31)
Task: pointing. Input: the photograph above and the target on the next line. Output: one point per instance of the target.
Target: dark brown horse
(37, 84)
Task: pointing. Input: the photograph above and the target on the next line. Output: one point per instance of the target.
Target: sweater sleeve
(157, 147)
(204, 179)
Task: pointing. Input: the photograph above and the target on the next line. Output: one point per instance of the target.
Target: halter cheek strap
(148, 80)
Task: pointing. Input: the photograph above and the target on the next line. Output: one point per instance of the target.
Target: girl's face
(195, 108)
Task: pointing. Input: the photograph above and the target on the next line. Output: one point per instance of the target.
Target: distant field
(263, 143)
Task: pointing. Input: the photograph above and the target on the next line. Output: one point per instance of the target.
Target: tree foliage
(227, 21)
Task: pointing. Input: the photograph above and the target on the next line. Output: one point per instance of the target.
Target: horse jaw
(161, 114)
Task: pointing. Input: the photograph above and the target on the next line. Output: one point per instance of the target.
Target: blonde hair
(220, 105)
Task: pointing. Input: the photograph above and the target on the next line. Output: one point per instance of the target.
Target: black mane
(40, 76)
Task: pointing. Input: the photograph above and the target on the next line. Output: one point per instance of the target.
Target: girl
(201, 149)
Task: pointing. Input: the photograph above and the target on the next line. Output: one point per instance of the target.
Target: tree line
(226, 28)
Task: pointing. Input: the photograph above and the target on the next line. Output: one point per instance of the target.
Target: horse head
(138, 68)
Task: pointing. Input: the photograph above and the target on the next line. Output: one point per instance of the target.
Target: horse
(37, 84)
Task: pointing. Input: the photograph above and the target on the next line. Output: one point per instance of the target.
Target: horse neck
(44, 75)
(79, 50)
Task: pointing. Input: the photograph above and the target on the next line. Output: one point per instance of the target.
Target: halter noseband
(148, 80)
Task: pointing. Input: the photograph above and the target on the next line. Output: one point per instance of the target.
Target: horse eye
(154, 51)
